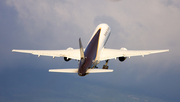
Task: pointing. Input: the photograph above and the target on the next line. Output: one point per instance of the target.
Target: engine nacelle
(67, 59)
(123, 48)
(122, 58)
(70, 48)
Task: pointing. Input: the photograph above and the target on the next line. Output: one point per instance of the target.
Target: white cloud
(140, 24)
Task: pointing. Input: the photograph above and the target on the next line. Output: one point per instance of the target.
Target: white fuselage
(104, 35)
(94, 49)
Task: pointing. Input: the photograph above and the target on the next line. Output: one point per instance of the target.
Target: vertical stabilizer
(81, 49)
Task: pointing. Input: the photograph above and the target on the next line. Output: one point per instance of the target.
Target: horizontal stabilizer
(64, 70)
(98, 70)
(76, 70)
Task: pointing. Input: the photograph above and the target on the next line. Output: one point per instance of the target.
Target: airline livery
(94, 53)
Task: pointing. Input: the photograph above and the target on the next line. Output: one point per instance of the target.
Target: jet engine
(122, 58)
(67, 59)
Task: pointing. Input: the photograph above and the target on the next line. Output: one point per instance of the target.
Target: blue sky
(58, 24)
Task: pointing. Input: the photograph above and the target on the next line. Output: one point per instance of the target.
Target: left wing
(114, 53)
(71, 53)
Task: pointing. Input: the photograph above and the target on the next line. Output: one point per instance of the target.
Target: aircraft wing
(114, 53)
(71, 53)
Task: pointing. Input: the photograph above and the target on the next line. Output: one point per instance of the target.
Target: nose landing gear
(105, 66)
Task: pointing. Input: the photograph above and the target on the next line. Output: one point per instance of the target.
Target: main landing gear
(105, 66)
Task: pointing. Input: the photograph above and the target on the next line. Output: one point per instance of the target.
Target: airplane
(94, 53)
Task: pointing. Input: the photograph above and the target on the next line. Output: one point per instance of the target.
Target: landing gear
(105, 66)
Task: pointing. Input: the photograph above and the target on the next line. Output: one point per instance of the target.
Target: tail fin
(81, 49)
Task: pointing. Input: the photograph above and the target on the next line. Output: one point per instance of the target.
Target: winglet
(81, 49)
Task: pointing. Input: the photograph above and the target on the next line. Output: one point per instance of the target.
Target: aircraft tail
(99, 70)
(64, 70)
(81, 49)
(76, 70)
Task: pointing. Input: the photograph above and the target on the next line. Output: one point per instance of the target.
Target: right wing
(71, 53)
(114, 53)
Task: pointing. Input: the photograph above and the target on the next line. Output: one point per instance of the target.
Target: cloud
(136, 25)
(142, 21)
(114, 0)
